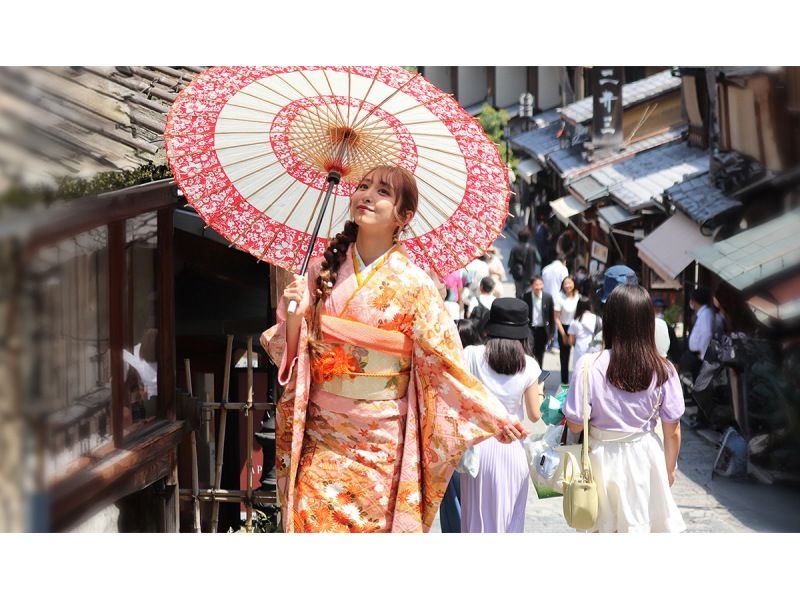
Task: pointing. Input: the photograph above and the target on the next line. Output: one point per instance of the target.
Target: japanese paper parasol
(259, 152)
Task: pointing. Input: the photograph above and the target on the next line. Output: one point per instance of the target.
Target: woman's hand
(297, 291)
(512, 432)
(671, 476)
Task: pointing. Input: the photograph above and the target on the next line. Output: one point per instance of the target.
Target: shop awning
(666, 249)
(565, 208)
(527, 169)
(615, 215)
(750, 258)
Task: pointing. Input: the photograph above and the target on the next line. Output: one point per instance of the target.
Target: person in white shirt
(496, 271)
(566, 302)
(485, 296)
(477, 270)
(703, 328)
(582, 330)
(553, 275)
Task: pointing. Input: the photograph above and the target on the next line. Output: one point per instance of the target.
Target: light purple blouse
(618, 410)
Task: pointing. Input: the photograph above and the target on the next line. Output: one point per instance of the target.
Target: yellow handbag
(580, 489)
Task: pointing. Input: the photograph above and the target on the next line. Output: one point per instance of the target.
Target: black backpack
(480, 315)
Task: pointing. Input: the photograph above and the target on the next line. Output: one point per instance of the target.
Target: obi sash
(361, 361)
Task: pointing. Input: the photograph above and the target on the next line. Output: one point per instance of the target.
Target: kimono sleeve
(273, 340)
(447, 388)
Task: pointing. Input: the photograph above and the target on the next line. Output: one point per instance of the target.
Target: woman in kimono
(377, 408)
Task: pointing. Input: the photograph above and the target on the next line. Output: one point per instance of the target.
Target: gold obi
(362, 362)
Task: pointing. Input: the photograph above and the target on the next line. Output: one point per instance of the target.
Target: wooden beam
(123, 472)
(116, 325)
(90, 212)
(167, 380)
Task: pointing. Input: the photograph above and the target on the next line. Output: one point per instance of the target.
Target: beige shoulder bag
(580, 489)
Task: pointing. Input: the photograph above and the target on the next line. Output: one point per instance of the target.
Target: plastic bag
(470, 462)
(552, 412)
(545, 461)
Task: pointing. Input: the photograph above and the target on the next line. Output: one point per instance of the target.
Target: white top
(553, 275)
(583, 330)
(486, 301)
(366, 269)
(702, 330)
(662, 337)
(509, 389)
(537, 315)
(478, 270)
(567, 307)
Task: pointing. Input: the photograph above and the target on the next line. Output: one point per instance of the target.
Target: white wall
(512, 81)
(472, 85)
(440, 77)
(549, 93)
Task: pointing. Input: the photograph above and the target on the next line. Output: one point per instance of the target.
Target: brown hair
(507, 355)
(629, 331)
(404, 185)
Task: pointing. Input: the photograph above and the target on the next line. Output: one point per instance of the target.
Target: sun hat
(508, 318)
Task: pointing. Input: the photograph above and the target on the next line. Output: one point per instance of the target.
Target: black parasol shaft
(333, 180)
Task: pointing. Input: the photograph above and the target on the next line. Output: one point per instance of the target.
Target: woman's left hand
(512, 432)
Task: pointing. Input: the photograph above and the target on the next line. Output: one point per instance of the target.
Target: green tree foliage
(494, 122)
(73, 188)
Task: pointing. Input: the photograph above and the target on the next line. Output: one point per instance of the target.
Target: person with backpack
(524, 262)
(480, 306)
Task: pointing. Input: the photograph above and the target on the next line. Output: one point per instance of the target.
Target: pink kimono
(369, 435)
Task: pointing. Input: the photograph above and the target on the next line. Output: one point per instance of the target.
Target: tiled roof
(570, 163)
(650, 173)
(539, 142)
(699, 199)
(79, 121)
(640, 181)
(756, 254)
(549, 117)
(632, 93)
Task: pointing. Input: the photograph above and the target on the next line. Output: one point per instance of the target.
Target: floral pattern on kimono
(377, 465)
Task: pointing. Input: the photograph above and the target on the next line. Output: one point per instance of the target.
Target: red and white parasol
(258, 152)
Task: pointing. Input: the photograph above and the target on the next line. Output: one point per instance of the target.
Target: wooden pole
(196, 528)
(249, 415)
(223, 418)
(264, 496)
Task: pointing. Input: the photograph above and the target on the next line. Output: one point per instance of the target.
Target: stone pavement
(707, 505)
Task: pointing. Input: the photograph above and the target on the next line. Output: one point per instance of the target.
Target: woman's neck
(371, 247)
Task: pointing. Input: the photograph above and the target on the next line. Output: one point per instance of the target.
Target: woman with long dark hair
(564, 310)
(494, 500)
(582, 331)
(630, 386)
(377, 408)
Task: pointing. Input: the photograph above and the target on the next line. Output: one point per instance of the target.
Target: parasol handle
(333, 180)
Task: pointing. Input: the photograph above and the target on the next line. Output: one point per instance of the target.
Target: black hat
(508, 318)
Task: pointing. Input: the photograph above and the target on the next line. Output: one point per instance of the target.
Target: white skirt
(632, 485)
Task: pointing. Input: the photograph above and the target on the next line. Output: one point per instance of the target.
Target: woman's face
(372, 205)
(568, 286)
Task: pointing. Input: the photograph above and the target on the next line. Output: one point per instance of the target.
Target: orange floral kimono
(368, 437)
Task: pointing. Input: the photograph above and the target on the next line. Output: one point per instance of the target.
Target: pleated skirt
(494, 501)
(632, 485)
